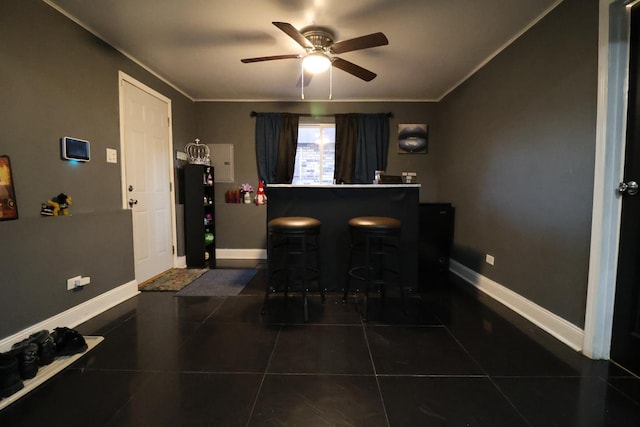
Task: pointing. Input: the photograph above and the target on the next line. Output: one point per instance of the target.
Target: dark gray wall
(56, 79)
(242, 226)
(512, 149)
(516, 157)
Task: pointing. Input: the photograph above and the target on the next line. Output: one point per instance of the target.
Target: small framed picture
(413, 138)
(8, 207)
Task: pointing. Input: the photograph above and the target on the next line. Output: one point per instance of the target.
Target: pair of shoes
(45, 344)
(68, 342)
(10, 381)
(27, 355)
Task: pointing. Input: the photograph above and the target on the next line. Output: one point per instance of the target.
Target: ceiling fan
(320, 50)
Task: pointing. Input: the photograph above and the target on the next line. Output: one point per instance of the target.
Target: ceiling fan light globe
(316, 63)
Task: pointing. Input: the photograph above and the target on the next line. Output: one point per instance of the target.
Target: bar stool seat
(374, 257)
(293, 257)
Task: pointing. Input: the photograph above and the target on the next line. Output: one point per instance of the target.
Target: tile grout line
(622, 392)
(491, 380)
(264, 376)
(375, 372)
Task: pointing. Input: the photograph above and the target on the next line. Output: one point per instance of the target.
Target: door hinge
(168, 121)
(170, 187)
(173, 250)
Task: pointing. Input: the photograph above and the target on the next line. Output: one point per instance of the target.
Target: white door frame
(613, 66)
(122, 77)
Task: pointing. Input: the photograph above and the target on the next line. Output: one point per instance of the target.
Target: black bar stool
(293, 257)
(375, 256)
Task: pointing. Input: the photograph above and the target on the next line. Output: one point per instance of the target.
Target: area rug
(173, 280)
(218, 283)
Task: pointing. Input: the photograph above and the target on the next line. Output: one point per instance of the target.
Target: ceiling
(196, 45)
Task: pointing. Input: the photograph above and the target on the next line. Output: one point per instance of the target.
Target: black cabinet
(436, 223)
(199, 216)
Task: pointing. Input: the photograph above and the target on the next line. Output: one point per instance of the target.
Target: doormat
(172, 280)
(218, 283)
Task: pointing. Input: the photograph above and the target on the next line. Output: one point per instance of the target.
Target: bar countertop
(334, 186)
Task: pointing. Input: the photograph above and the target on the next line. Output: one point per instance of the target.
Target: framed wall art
(8, 207)
(413, 138)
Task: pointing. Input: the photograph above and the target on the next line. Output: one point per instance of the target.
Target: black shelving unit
(436, 224)
(199, 216)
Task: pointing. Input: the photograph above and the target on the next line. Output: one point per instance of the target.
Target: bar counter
(335, 205)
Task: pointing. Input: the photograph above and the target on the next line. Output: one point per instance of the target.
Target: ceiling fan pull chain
(301, 80)
(330, 83)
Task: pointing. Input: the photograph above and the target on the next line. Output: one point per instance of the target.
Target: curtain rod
(253, 114)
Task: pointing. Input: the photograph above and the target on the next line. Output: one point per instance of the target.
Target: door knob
(132, 202)
(630, 188)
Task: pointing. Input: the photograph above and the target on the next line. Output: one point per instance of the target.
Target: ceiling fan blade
(354, 69)
(364, 42)
(270, 58)
(292, 32)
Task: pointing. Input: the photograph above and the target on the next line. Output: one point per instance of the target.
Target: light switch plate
(112, 155)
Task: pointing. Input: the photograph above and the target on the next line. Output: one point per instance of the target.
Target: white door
(147, 180)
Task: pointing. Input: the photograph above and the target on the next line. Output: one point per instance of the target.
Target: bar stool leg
(317, 266)
(399, 278)
(269, 272)
(347, 285)
(305, 285)
(367, 280)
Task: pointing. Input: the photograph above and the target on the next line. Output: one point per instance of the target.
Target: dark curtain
(372, 146)
(267, 140)
(362, 144)
(276, 143)
(287, 146)
(346, 141)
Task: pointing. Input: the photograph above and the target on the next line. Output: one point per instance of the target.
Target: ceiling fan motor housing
(320, 38)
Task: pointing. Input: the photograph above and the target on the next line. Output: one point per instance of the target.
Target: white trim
(613, 69)
(553, 324)
(124, 77)
(181, 262)
(78, 314)
(122, 51)
(500, 49)
(241, 253)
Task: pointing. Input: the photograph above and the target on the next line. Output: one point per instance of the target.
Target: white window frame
(321, 126)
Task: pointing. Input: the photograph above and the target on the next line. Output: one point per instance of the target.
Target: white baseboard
(180, 262)
(553, 324)
(78, 314)
(241, 253)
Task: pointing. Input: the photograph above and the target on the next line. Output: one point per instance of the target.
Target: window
(315, 155)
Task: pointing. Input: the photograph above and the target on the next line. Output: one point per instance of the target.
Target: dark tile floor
(454, 359)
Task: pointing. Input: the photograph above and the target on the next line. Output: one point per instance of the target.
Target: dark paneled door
(625, 345)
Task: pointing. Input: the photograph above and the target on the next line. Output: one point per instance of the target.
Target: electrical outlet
(77, 282)
(71, 283)
(490, 259)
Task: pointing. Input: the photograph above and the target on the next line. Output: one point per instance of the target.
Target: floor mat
(173, 280)
(219, 282)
